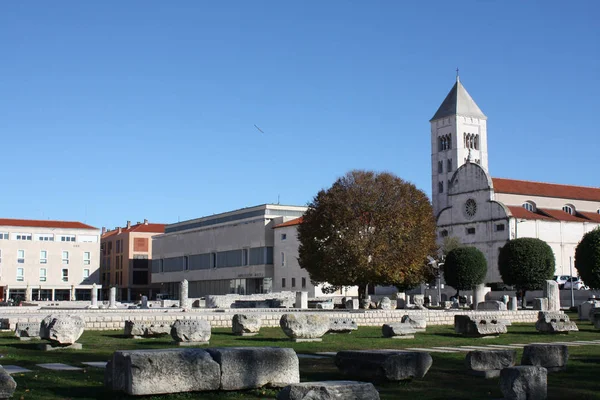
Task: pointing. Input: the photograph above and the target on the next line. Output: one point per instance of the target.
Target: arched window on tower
(569, 209)
(449, 141)
(449, 168)
(476, 142)
(529, 206)
(441, 187)
(440, 167)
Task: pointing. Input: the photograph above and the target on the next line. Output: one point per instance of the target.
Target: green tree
(368, 228)
(464, 268)
(449, 243)
(587, 258)
(526, 263)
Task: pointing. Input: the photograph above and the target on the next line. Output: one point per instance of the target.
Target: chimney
(120, 230)
(103, 230)
(145, 221)
(128, 224)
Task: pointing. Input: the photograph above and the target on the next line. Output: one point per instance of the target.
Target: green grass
(445, 380)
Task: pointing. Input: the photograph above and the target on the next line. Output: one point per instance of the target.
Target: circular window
(471, 207)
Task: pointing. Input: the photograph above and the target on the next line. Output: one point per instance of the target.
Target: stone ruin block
(140, 329)
(385, 304)
(489, 363)
(418, 323)
(555, 322)
(524, 383)
(491, 305)
(27, 330)
(398, 330)
(553, 357)
(7, 384)
(62, 329)
(383, 365)
(304, 327)
(552, 293)
(255, 367)
(473, 326)
(584, 309)
(329, 390)
(342, 325)
(246, 324)
(419, 300)
(540, 303)
(191, 331)
(594, 316)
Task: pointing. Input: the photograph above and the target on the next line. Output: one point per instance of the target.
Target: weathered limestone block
(583, 309)
(419, 300)
(188, 330)
(255, 367)
(553, 357)
(325, 305)
(552, 293)
(555, 322)
(400, 300)
(27, 330)
(540, 303)
(147, 372)
(418, 323)
(302, 327)
(398, 330)
(506, 299)
(246, 325)
(62, 328)
(7, 384)
(342, 325)
(301, 300)
(488, 363)
(478, 326)
(513, 304)
(491, 305)
(352, 304)
(594, 316)
(385, 304)
(139, 329)
(524, 383)
(383, 364)
(329, 390)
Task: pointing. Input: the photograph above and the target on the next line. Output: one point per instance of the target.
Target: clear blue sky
(123, 110)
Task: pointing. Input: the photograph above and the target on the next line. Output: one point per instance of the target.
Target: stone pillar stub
(94, 296)
(513, 304)
(112, 299)
(479, 293)
(302, 300)
(183, 294)
(552, 293)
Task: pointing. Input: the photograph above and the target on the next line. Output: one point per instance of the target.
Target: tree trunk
(363, 295)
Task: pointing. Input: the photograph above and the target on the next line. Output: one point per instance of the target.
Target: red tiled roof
(142, 228)
(561, 215)
(595, 217)
(522, 213)
(296, 221)
(514, 186)
(33, 223)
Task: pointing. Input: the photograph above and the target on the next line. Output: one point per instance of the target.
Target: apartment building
(48, 260)
(125, 260)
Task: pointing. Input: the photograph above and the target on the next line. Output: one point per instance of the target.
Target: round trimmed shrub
(465, 268)
(587, 258)
(526, 263)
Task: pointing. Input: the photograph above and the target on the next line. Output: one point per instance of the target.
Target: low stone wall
(228, 300)
(115, 319)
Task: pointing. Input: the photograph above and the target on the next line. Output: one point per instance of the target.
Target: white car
(577, 284)
(561, 280)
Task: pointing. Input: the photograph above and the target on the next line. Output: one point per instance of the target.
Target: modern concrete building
(126, 257)
(48, 260)
(231, 252)
(486, 212)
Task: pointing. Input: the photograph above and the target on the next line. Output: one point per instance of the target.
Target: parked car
(577, 284)
(561, 280)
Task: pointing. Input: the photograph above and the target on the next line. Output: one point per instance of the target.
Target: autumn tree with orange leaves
(368, 228)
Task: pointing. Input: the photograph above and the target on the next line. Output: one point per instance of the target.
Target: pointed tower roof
(458, 102)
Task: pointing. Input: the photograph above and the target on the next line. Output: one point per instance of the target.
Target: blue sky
(113, 111)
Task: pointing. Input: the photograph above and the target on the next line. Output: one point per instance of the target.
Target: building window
(449, 165)
(4, 236)
(43, 257)
(67, 238)
(293, 282)
(245, 258)
(529, 206)
(65, 275)
(303, 283)
(440, 167)
(284, 235)
(21, 256)
(470, 231)
(86, 273)
(499, 227)
(65, 257)
(441, 187)
(23, 236)
(282, 282)
(110, 247)
(86, 258)
(444, 233)
(213, 260)
(44, 237)
(161, 266)
(569, 209)
(186, 263)
(20, 277)
(282, 259)
(119, 246)
(42, 274)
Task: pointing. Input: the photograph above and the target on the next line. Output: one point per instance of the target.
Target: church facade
(486, 212)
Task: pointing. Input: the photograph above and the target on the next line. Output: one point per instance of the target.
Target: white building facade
(486, 212)
(48, 260)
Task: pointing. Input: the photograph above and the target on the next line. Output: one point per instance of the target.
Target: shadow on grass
(259, 339)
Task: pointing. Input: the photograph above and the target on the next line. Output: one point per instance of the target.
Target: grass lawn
(445, 380)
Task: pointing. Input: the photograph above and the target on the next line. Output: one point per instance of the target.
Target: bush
(587, 258)
(464, 268)
(526, 263)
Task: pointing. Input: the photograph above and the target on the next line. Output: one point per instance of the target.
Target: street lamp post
(572, 283)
